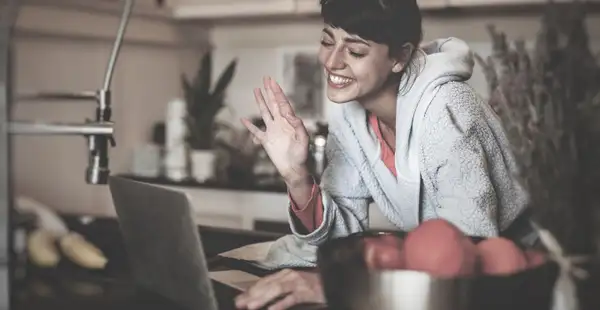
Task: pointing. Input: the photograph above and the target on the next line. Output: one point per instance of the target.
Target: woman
(408, 134)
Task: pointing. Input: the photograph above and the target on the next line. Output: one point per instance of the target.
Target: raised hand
(285, 138)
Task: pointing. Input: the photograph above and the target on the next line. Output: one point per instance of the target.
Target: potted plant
(203, 104)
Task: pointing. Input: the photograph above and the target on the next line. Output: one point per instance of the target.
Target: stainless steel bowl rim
(416, 273)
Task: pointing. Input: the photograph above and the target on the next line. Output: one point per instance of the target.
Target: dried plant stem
(547, 101)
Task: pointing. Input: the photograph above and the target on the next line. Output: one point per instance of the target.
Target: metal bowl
(348, 285)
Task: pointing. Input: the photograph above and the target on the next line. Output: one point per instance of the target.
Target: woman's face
(355, 68)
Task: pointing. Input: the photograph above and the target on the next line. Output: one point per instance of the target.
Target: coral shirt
(311, 214)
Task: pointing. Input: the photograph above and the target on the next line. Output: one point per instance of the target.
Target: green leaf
(188, 92)
(224, 80)
(203, 106)
(203, 77)
(187, 87)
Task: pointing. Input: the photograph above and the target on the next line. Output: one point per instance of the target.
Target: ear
(403, 58)
(398, 66)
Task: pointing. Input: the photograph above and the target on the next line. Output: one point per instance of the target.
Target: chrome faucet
(99, 133)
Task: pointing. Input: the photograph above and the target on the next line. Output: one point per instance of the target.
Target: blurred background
(160, 89)
(184, 76)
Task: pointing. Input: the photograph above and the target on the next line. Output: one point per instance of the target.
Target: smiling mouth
(338, 81)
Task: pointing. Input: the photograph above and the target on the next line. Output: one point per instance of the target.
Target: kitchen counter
(253, 208)
(67, 290)
(70, 287)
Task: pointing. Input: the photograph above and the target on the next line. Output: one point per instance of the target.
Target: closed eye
(356, 54)
(326, 43)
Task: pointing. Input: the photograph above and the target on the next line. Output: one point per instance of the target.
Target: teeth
(339, 80)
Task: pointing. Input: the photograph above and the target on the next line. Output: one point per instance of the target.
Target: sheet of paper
(254, 252)
(235, 278)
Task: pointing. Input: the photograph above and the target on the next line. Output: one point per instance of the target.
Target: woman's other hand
(288, 287)
(285, 138)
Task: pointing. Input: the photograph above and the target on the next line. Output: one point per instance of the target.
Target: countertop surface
(69, 287)
(254, 187)
(75, 290)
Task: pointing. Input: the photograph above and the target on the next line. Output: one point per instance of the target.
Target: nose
(335, 60)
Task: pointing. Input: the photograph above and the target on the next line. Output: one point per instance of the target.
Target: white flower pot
(202, 164)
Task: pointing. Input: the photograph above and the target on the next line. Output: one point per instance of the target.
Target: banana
(80, 251)
(46, 217)
(42, 250)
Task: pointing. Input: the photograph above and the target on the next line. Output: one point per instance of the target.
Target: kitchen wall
(66, 49)
(59, 48)
(258, 46)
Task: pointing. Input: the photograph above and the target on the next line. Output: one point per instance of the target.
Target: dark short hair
(390, 22)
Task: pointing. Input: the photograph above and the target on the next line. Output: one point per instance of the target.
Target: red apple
(500, 256)
(441, 249)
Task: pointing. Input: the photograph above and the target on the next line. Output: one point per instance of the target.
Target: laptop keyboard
(243, 285)
(237, 279)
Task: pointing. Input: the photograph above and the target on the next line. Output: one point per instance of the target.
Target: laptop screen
(163, 243)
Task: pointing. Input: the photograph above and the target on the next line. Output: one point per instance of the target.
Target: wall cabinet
(215, 9)
(467, 3)
(211, 9)
(151, 8)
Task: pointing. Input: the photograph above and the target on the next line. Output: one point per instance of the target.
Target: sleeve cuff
(313, 194)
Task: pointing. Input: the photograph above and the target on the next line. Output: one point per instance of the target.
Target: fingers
(257, 134)
(263, 292)
(278, 93)
(287, 302)
(272, 101)
(285, 108)
(294, 121)
(265, 112)
(267, 290)
(245, 300)
(277, 107)
(278, 97)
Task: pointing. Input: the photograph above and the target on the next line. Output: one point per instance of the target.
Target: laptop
(164, 245)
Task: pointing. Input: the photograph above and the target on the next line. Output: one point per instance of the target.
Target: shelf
(268, 10)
